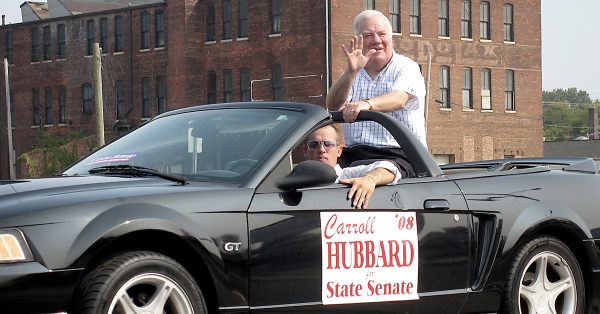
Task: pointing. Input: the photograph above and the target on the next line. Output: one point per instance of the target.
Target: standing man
(324, 145)
(377, 78)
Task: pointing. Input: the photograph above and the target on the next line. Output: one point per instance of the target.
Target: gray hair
(366, 14)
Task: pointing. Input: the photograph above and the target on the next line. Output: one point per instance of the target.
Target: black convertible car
(212, 209)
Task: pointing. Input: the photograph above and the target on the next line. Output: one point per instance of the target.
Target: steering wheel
(241, 165)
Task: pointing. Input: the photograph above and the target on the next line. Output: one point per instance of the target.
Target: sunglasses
(317, 144)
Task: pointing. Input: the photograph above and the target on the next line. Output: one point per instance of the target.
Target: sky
(570, 45)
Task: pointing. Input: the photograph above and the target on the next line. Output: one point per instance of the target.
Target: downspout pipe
(132, 89)
(327, 49)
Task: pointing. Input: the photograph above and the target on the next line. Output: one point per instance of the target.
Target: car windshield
(205, 145)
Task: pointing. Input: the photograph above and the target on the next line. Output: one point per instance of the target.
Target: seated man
(325, 145)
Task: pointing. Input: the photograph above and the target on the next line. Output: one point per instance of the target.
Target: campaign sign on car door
(369, 257)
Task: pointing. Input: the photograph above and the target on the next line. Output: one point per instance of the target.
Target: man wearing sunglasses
(325, 145)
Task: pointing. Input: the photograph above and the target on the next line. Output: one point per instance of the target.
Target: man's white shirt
(361, 170)
(401, 73)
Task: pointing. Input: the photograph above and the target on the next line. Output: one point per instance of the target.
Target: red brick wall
(299, 49)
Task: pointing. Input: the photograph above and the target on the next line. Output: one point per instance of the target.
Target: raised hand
(354, 54)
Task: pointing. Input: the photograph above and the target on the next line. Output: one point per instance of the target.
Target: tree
(566, 113)
(52, 154)
(571, 96)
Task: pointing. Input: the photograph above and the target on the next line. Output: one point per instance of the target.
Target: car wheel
(139, 282)
(544, 278)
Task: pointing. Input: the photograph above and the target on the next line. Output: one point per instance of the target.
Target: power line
(567, 126)
(574, 104)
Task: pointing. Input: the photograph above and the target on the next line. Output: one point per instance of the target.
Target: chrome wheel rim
(547, 286)
(150, 294)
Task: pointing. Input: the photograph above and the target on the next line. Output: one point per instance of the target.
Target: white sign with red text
(369, 257)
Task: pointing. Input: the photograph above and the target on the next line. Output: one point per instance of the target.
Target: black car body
(195, 212)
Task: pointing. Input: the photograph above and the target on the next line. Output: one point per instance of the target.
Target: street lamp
(11, 152)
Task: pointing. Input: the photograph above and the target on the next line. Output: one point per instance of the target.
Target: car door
(285, 244)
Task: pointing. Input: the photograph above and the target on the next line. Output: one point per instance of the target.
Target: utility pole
(11, 150)
(98, 96)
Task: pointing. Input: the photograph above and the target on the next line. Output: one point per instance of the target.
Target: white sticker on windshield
(113, 158)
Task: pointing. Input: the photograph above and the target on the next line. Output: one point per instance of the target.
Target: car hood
(24, 198)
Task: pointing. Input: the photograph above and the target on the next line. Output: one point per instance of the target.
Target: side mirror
(309, 173)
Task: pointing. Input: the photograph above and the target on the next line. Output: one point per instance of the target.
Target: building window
(34, 44)
(104, 35)
(145, 44)
(369, 4)
(444, 159)
(120, 98)
(47, 106)
(160, 29)
(484, 20)
(245, 84)
(243, 19)
(62, 104)
(210, 21)
(9, 47)
(91, 36)
(467, 88)
(212, 87)
(395, 16)
(486, 89)
(226, 10)
(443, 18)
(227, 86)
(119, 42)
(444, 87)
(276, 77)
(509, 90)
(415, 16)
(87, 98)
(275, 16)
(145, 97)
(465, 19)
(37, 120)
(508, 23)
(161, 94)
(62, 40)
(47, 42)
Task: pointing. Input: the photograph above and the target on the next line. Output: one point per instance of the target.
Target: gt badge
(232, 246)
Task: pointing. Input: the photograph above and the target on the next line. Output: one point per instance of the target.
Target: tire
(136, 282)
(544, 277)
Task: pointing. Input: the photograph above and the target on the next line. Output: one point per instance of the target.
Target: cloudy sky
(570, 45)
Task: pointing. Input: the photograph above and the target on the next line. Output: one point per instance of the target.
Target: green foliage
(52, 154)
(570, 95)
(566, 114)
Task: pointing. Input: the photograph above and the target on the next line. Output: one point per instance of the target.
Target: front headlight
(13, 247)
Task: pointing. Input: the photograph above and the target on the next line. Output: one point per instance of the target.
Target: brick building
(482, 61)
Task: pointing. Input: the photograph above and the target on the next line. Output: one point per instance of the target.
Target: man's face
(318, 150)
(376, 35)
